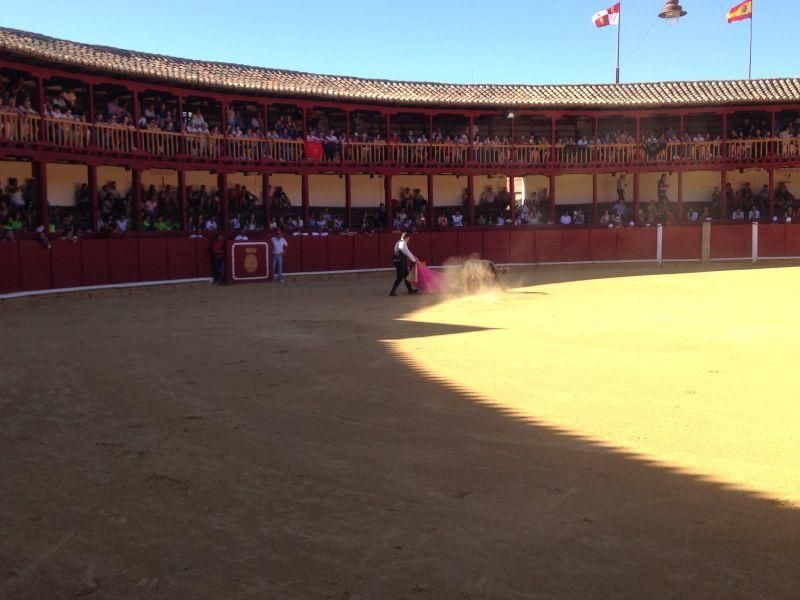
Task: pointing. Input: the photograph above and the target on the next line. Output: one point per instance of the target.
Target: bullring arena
(618, 421)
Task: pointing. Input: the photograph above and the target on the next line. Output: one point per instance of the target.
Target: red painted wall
(67, 264)
(603, 244)
(34, 265)
(9, 268)
(772, 240)
(682, 242)
(731, 241)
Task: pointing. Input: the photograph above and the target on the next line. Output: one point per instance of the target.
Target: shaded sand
(276, 442)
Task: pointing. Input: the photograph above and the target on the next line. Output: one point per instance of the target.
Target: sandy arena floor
(592, 433)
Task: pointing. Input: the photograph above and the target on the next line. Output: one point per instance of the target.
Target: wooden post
(471, 157)
(680, 196)
(90, 121)
(305, 122)
(182, 201)
(430, 200)
(471, 199)
(348, 199)
(725, 135)
(222, 190)
(306, 203)
(93, 212)
(137, 131)
(553, 199)
(636, 199)
(136, 182)
(512, 193)
(179, 116)
(42, 123)
(595, 216)
(224, 127)
(266, 199)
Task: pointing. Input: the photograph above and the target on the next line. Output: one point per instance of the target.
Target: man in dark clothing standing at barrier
(401, 258)
(218, 255)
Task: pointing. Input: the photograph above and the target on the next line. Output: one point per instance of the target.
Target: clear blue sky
(503, 41)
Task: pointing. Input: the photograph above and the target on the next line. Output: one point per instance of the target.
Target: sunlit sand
(693, 371)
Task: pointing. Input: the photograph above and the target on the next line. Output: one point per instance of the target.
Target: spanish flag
(741, 11)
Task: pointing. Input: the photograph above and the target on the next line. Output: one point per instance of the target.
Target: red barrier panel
(682, 243)
(575, 245)
(152, 259)
(340, 252)
(603, 244)
(731, 241)
(522, 246)
(496, 245)
(202, 252)
(366, 252)
(421, 247)
(315, 253)
(95, 262)
(636, 243)
(548, 245)
(292, 255)
(445, 246)
(771, 240)
(469, 243)
(181, 258)
(793, 240)
(386, 242)
(66, 264)
(9, 268)
(35, 265)
(123, 260)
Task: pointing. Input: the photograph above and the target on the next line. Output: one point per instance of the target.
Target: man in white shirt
(402, 256)
(241, 237)
(754, 214)
(566, 219)
(457, 218)
(279, 245)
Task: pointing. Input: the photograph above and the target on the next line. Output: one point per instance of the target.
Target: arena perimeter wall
(27, 266)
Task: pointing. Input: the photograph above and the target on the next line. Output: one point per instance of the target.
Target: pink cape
(430, 281)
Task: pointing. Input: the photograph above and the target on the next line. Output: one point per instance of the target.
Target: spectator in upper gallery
(738, 215)
(211, 224)
(762, 199)
(241, 236)
(605, 218)
(441, 220)
(619, 209)
(457, 219)
(663, 186)
(621, 188)
(754, 214)
(419, 201)
(487, 197)
(692, 214)
(566, 219)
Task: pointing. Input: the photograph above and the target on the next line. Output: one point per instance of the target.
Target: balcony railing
(18, 128)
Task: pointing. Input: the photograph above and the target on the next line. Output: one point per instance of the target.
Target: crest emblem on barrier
(250, 260)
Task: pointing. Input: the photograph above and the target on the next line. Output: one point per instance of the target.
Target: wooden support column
(683, 127)
(636, 199)
(771, 173)
(137, 131)
(471, 157)
(725, 135)
(387, 199)
(306, 203)
(266, 196)
(40, 170)
(223, 122)
(42, 122)
(93, 212)
(471, 199)
(182, 201)
(553, 199)
(430, 200)
(305, 122)
(680, 197)
(638, 130)
(553, 143)
(512, 192)
(388, 126)
(181, 125)
(90, 120)
(723, 204)
(348, 199)
(595, 216)
(136, 183)
(222, 190)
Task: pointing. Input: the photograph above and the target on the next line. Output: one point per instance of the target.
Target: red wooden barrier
(67, 267)
(366, 252)
(636, 243)
(575, 245)
(496, 245)
(340, 253)
(522, 246)
(9, 268)
(445, 246)
(34, 265)
(181, 258)
(152, 259)
(292, 255)
(315, 253)
(771, 240)
(203, 253)
(469, 243)
(422, 246)
(95, 262)
(793, 240)
(123, 260)
(603, 244)
(731, 241)
(548, 245)
(386, 242)
(682, 242)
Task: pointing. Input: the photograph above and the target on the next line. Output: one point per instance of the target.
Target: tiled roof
(278, 82)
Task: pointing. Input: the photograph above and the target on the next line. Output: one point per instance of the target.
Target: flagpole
(750, 63)
(619, 29)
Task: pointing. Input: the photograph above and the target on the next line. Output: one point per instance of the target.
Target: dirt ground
(322, 440)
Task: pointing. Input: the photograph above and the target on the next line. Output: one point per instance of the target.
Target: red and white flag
(609, 16)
